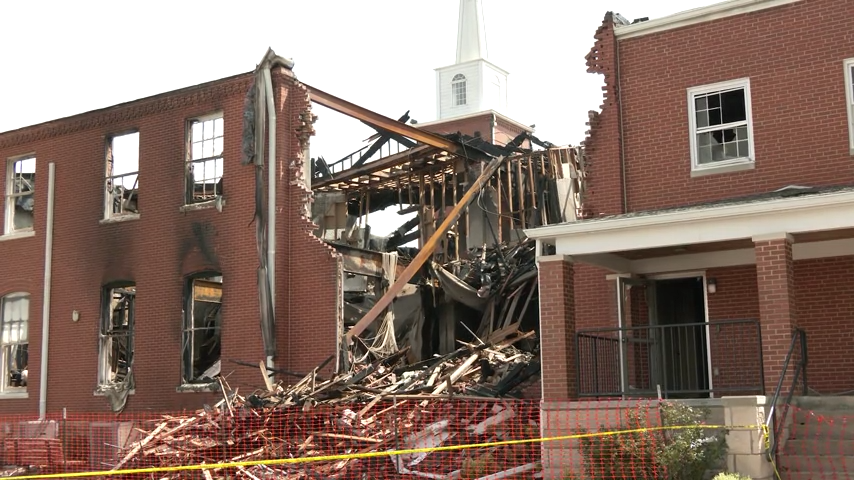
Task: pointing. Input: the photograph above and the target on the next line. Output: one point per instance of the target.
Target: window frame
(459, 90)
(8, 194)
(722, 166)
(848, 70)
(7, 391)
(107, 293)
(189, 195)
(188, 380)
(108, 176)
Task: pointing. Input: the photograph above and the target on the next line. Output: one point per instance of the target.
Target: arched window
(14, 322)
(458, 89)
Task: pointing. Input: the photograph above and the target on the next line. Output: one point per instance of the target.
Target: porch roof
(823, 214)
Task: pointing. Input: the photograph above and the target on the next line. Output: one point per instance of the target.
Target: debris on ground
(384, 405)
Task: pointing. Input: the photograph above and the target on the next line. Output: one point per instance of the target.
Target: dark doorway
(680, 314)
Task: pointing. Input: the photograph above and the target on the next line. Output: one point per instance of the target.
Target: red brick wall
(557, 329)
(736, 298)
(825, 298)
(793, 56)
(602, 144)
(308, 268)
(468, 126)
(155, 251)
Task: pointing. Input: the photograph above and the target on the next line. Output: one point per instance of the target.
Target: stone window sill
(197, 387)
(727, 168)
(119, 219)
(198, 206)
(14, 395)
(102, 391)
(17, 235)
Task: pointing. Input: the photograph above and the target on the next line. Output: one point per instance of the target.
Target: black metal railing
(797, 347)
(685, 360)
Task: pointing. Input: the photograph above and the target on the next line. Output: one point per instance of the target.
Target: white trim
(119, 219)
(721, 166)
(727, 258)
(677, 275)
(806, 213)
(697, 15)
(9, 229)
(18, 234)
(848, 65)
(768, 237)
(472, 62)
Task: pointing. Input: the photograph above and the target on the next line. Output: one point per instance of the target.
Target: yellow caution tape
(353, 456)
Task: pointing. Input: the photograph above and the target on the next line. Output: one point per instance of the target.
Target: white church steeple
(472, 84)
(471, 36)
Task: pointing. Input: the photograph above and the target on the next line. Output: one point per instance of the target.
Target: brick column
(777, 312)
(557, 328)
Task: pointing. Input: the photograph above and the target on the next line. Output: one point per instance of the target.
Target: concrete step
(822, 425)
(816, 463)
(818, 446)
(827, 404)
(814, 476)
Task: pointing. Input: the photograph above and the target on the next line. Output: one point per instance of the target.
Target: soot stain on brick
(200, 246)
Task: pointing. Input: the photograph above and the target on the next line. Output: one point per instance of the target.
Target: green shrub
(677, 454)
(731, 476)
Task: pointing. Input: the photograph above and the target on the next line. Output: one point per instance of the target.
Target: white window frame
(110, 177)
(848, 64)
(190, 161)
(459, 91)
(6, 390)
(9, 214)
(722, 166)
(106, 333)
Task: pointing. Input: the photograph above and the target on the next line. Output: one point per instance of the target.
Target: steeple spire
(471, 36)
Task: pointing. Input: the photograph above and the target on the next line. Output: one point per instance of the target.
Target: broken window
(204, 165)
(14, 319)
(20, 190)
(721, 124)
(116, 335)
(458, 89)
(122, 180)
(201, 332)
(849, 94)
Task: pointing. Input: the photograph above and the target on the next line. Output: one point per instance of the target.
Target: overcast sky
(61, 58)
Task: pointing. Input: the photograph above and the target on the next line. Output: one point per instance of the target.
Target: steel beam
(380, 121)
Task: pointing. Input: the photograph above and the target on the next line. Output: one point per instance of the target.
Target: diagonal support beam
(426, 251)
(381, 121)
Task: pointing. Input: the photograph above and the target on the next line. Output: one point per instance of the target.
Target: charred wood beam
(381, 138)
(381, 121)
(381, 164)
(401, 236)
(426, 250)
(375, 147)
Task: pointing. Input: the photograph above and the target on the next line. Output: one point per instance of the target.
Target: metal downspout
(48, 274)
(271, 192)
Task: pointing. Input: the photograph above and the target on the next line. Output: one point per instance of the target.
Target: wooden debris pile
(379, 407)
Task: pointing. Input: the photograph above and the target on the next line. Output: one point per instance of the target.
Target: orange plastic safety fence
(436, 439)
(817, 443)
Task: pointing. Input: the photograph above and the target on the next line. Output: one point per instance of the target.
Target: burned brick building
(148, 287)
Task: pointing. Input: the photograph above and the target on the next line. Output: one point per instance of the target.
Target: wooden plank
(141, 444)
(425, 251)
